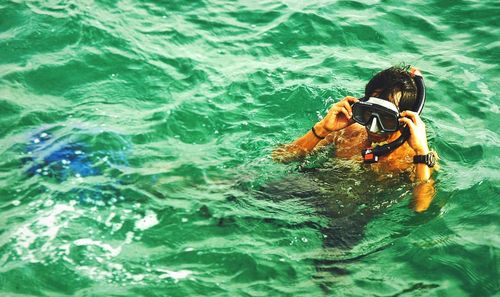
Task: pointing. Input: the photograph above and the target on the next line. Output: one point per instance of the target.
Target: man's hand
(339, 116)
(418, 137)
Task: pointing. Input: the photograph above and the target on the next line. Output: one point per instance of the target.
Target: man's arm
(302, 146)
(339, 117)
(424, 191)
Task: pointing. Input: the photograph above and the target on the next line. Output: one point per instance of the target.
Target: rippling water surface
(135, 141)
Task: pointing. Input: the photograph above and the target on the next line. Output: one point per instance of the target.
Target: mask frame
(386, 113)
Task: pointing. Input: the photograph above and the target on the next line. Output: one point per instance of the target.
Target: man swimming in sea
(384, 125)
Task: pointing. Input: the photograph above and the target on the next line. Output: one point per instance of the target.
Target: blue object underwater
(69, 159)
(62, 161)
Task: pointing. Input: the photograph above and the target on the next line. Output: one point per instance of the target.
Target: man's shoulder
(350, 133)
(355, 129)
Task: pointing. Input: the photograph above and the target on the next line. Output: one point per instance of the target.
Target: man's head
(395, 85)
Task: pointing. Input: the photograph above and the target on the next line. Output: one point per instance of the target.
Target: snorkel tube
(370, 155)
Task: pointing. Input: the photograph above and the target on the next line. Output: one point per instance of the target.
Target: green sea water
(135, 142)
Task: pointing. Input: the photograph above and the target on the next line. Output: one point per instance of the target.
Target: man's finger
(346, 113)
(348, 107)
(411, 115)
(351, 99)
(408, 123)
(336, 109)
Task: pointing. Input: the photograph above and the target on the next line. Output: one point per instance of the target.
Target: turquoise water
(135, 141)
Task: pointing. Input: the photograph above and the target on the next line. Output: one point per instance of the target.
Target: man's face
(377, 136)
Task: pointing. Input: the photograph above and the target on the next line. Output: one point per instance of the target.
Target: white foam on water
(37, 241)
(138, 277)
(175, 275)
(113, 252)
(129, 237)
(48, 203)
(108, 220)
(116, 266)
(25, 237)
(148, 221)
(94, 272)
(64, 249)
(43, 228)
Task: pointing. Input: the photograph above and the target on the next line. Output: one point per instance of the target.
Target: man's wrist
(422, 151)
(320, 130)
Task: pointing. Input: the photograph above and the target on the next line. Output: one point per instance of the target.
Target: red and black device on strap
(369, 156)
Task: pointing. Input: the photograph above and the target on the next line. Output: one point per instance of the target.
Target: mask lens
(361, 114)
(389, 122)
(366, 115)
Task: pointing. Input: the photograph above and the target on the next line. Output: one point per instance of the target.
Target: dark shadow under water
(348, 195)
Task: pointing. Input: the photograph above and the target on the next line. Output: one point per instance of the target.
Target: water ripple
(135, 142)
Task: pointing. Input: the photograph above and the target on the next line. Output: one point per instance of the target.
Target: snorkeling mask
(374, 111)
